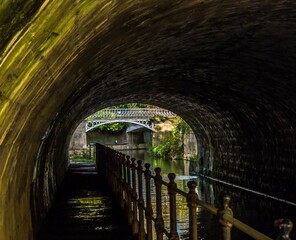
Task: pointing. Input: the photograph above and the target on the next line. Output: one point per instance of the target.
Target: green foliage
(132, 105)
(159, 119)
(171, 146)
(113, 127)
(182, 127)
(81, 156)
(164, 147)
(194, 158)
(81, 159)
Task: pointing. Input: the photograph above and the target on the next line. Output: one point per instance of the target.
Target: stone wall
(190, 146)
(78, 140)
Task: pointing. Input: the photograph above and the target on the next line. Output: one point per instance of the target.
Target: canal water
(257, 211)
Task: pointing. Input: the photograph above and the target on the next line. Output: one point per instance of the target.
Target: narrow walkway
(83, 210)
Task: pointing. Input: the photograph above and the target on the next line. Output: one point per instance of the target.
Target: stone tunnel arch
(227, 68)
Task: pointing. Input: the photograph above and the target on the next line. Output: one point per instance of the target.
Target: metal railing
(125, 178)
(138, 116)
(132, 113)
(91, 124)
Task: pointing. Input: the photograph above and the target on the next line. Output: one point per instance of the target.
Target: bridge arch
(92, 124)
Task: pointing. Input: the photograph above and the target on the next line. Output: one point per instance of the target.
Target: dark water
(257, 211)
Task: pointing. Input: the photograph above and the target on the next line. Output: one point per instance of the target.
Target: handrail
(235, 222)
(245, 228)
(120, 171)
(115, 113)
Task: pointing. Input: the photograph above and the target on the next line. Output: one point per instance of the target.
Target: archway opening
(135, 126)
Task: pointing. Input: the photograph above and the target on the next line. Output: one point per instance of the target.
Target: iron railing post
(159, 224)
(122, 181)
(284, 227)
(124, 171)
(149, 209)
(126, 168)
(225, 225)
(172, 187)
(192, 198)
(120, 167)
(107, 167)
(142, 234)
(129, 193)
(116, 178)
(97, 156)
(135, 226)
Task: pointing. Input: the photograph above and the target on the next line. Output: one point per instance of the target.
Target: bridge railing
(133, 113)
(125, 178)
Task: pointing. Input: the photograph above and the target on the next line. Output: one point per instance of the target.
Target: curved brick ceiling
(226, 67)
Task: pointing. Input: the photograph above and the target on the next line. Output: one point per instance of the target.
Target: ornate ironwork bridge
(138, 116)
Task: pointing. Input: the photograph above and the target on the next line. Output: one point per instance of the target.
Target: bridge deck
(83, 211)
(130, 113)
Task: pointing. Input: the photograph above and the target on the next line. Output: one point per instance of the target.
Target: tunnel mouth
(225, 137)
(132, 126)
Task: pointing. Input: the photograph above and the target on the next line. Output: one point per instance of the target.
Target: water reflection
(257, 211)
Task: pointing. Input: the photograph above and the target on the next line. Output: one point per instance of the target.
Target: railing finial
(284, 227)
(157, 171)
(225, 209)
(139, 163)
(147, 166)
(172, 176)
(192, 198)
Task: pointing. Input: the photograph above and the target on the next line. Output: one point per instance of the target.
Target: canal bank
(133, 138)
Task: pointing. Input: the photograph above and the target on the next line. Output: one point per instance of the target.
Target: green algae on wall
(13, 16)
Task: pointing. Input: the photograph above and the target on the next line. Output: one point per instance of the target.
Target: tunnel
(226, 67)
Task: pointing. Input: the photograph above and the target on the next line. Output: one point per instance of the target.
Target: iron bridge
(138, 116)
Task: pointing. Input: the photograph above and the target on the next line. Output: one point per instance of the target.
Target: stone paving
(83, 210)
